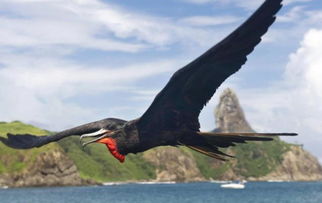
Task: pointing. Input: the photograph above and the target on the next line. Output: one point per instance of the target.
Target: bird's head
(120, 141)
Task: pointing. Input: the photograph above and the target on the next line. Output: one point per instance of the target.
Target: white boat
(114, 183)
(275, 181)
(239, 185)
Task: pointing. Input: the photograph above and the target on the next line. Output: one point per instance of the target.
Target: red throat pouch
(112, 147)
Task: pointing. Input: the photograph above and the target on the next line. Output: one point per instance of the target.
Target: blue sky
(68, 62)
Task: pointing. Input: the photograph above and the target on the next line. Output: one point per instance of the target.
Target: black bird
(172, 118)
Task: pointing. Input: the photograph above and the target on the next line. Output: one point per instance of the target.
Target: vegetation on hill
(95, 162)
(261, 158)
(12, 160)
(254, 159)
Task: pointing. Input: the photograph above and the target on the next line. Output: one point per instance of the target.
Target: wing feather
(192, 86)
(27, 141)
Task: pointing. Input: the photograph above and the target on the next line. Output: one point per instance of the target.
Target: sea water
(269, 192)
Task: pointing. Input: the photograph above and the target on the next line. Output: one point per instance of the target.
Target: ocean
(269, 192)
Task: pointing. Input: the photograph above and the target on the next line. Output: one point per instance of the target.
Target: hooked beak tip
(102, 139)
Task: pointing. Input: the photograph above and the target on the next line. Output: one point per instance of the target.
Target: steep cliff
(52, 168)
(297, 165)
(173, 164)
(46, 166)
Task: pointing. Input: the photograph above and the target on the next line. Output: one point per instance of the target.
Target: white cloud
(248, 5)
(240, 3)
(293, 15)
(293, 25)
(92, 24)
(38, 90)
(77, 23)
(209, 20)
(294, 104)
(34, 23)
(144, 95)
(287, 2)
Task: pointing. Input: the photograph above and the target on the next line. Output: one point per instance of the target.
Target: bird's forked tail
(209, 142)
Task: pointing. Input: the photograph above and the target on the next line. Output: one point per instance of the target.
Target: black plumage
(172, 118)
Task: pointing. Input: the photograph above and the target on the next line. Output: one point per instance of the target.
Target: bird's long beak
(93, 140)
(95, 134)
(106, 134)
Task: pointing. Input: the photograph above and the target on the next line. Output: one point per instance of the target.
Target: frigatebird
(172, 118)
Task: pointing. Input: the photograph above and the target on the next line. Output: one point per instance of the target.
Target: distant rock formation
(229, 115)
(296, 165)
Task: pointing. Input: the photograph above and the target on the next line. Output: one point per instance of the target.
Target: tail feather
(220, 134)
(208, 143)
(207, 152)
(229, 139)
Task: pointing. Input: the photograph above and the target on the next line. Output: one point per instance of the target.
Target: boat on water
(114, 183)
(239, 185)
(276, 181)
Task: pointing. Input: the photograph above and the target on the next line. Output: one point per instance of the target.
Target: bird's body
(172, 118)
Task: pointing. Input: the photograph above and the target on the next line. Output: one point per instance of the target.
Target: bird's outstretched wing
(191, 87)
(27, 141)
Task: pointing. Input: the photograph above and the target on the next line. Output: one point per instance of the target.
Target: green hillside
(259, 159)
(95, 162)
(12, 160)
